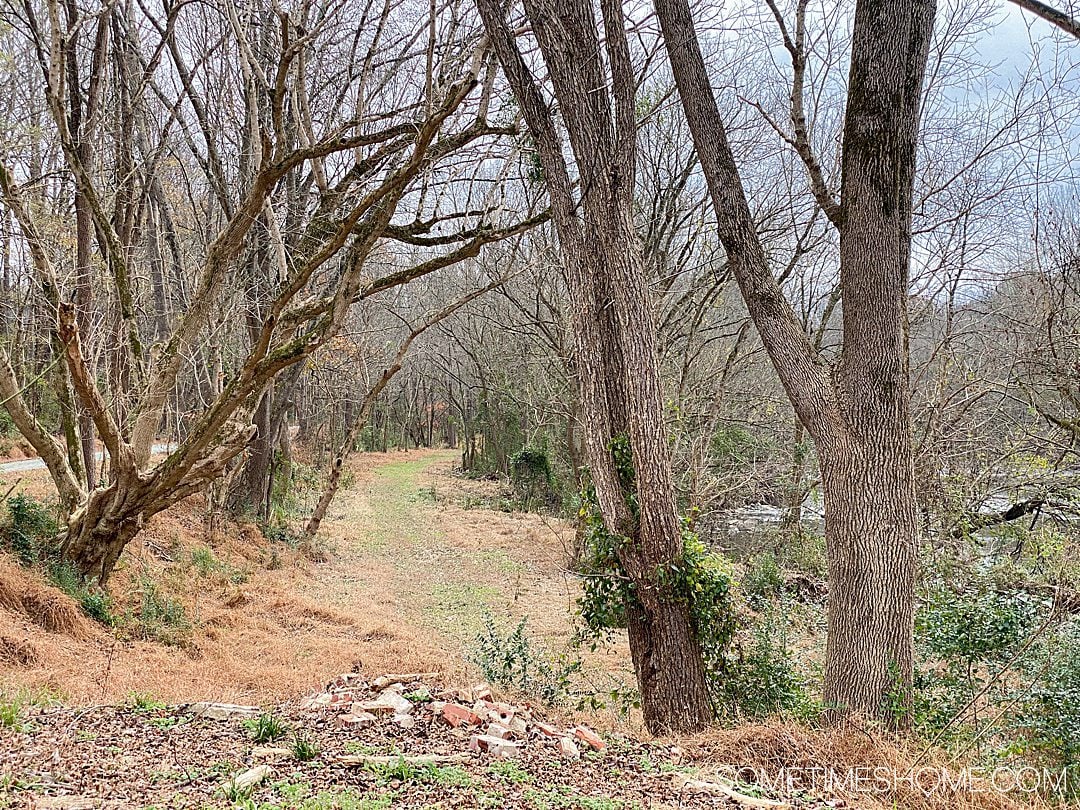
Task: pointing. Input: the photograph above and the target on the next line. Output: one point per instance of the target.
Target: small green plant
(203, 560)
(94, 602)
(239, 796)
(510, 771)
(512, 660)
(401, 770)
(143, 703)
(158, 616)
(32, 529)
(763, 580)
(304, 748)
(11, 714)
(278, 531)
(266, 728)
(447, 776)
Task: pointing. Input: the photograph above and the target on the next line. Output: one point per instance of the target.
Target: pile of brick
(495, 728)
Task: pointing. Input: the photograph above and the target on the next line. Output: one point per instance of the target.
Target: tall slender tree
(615, 359)
(856, 410)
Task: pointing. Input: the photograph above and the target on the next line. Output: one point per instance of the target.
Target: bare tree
(858, 410)
(612, 314)
(348, 178)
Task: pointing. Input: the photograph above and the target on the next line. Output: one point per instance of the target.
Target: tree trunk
(98, 532)
(613, 325)
(857, 412)
(250, 494)
(870, 526)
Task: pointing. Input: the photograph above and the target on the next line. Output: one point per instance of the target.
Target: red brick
(457, 715)
(590, 738)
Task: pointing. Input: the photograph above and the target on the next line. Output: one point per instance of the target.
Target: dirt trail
(413, 564)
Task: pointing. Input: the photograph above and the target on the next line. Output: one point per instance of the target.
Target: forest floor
(414, 561)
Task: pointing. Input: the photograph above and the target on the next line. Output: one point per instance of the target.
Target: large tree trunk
(870, 529)
(98, 531)
(857, 413)
(621, 395)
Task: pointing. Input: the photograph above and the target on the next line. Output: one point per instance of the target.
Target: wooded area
(775, 307)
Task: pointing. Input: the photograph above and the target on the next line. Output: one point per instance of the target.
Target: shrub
(1048, 722)
(532, 478)
(32, 529)
(763, 581)
(983, 625)
(963, 637)
(762, 680)
(513, 661)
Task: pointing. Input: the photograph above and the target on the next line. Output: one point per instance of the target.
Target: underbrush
(150, 591)
(30, 533)
(999, 676)
(742, 630)
(293, 496)
(514, 661)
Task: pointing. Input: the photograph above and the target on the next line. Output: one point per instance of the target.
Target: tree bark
(613, 323)
(857, 412)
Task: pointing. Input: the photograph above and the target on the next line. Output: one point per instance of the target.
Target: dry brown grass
(17, 652)
(778, 748)
(281, 633)
(23, 594)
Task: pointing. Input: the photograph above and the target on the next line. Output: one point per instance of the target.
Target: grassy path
(402, 535)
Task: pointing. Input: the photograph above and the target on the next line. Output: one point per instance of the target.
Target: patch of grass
(448, 776)
(302, 799)
(239, 796)
(498, 560)
(11, 715)
(13, 705)
(144, 703)
(304, 748)
(557, 798)
(457, 608)
(510, 771)
(292, 791)
(404, 771)
(157, 616)
(357, 747)
(204, 561)
(401, 770)
(266, 728)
